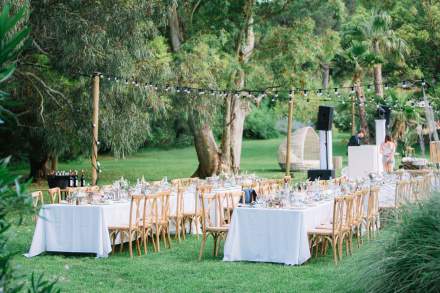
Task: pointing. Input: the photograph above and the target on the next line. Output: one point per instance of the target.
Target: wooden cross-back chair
(371, 219)
(360, 198)
(159, 217)
(37, 201)
(178, 213)
(417, 189)
(133, 230)
(213, 220)
(37, 198)
(336, 232)
(403, 193)
(231, 201)
(184, 182)
(54, 195)
(194, 216)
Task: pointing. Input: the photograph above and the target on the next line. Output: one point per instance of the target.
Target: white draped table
(84, 228)
(77, 229)
(274, 235)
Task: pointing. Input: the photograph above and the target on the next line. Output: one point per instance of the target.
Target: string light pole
(95, 120)
(353, 113)
(289, 132)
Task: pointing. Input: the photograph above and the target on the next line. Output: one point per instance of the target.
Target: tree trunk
(325, 75)
(207, 151)
(240, 110)
(38, 168)
(174, 26)
(378, 80)
(362, 111)
(240, 107)
(225, 163)
(377, 70)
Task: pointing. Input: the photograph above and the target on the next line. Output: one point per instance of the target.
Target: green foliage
(261, 123)
(10, 46)
(407, 258)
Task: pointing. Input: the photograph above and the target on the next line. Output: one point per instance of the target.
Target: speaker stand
(325, 149)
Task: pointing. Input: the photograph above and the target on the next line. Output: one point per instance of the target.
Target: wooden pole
(95, 120)
(289, 134)
(353, 113)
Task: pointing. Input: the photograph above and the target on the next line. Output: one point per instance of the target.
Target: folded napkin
(250, 195)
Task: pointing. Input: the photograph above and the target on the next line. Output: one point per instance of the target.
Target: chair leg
(130, 243)
(158, 238)
(177, 235)
(138, 244)
(215, 244)
(335, 250)
(168, 237)
(183, 230)
(153, 241)
(121, 236)
(196, 224)
(219, 240)
(113, 237)
(145, 240)
(323, 247)
(341, 242)
(202, 246)
(164, 237)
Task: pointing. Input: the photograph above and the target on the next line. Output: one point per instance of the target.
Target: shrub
(261, 124)
(407, 257)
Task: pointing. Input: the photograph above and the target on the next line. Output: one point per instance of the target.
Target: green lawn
(177, 269)
(258, 156)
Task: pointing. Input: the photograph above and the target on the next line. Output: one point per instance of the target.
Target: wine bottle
(82, 178)
(70, 178)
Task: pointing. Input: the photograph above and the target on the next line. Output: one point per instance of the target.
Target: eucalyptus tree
(71, 41)
(377, 31)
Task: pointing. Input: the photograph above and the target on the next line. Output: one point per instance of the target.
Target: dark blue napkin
(250, 195)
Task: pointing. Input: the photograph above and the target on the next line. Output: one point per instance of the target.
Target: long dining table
(277, 235)
(84, 228)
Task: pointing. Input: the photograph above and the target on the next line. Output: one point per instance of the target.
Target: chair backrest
(201, 189)
(54, 195)
(180, 203)
(358, 204)
(212, 208)
(373, 202)
(403, 192)
(136, 214)
(184, 182)
(250, 185)
(416, 188)
(232, 200)
(350, 210)
(163, 205)
(94, 188)
(37, 198)
(339, 211)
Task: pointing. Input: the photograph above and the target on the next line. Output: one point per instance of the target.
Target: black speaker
(322, 174)
(325, 118)
(384, 112)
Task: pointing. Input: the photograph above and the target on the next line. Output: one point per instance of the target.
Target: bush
(261, 124)
(407, 258)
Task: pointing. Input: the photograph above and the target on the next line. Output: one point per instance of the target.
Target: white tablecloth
(84, 229)
(387, 195)
(78, 229)
(273, 235)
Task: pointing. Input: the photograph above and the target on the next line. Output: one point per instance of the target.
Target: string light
(259, 94)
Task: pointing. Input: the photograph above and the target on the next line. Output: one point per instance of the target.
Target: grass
(177, 269)
(258, 156)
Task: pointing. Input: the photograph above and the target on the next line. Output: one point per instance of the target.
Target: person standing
(388, 149)
(355, 140)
